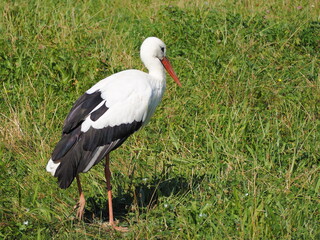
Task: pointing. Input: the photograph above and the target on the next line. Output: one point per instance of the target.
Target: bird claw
(80, 209)
(80, 213)
(120, 229)
(115, 227)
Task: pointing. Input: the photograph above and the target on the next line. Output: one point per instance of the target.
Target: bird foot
(117, 228)
(80, 209)
(120, 229)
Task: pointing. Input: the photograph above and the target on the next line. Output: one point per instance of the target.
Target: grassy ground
(234, 154)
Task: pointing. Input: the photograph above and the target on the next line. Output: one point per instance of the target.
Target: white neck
(158, 72)
(155, 67)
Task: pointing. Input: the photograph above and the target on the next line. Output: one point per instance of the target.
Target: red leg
(82, 201)
(108, 177)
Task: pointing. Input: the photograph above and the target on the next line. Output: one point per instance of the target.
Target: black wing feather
(94, 116)
(80, 110)
(78, 157)
(99, 137)
(65, 144)
(76, 149)
(71, 129)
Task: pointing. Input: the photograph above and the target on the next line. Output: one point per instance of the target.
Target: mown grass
(234, 154)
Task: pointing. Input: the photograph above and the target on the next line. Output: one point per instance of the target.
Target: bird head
(152, 51)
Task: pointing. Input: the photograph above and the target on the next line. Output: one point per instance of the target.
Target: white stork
(106, 115)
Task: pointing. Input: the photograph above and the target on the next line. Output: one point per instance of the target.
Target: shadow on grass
(144, 196)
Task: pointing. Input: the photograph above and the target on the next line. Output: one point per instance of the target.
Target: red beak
(165, 62)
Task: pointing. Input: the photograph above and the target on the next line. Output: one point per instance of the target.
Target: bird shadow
(142, 197)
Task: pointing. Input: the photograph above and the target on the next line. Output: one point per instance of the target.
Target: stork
(106, 115)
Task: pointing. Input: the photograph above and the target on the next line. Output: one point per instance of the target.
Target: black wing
(78, 151)
(81, 109)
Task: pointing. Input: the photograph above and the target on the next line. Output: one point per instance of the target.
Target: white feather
(130, 96)
(52, 167)
(94, 159)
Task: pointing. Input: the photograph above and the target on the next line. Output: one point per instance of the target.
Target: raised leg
(108, 179)
(82, 201)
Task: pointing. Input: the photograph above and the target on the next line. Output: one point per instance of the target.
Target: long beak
(165, 62)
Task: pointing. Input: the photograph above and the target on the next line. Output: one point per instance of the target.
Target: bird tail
(52, 167)
(78, 160)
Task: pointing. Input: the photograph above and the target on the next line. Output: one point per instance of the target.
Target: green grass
(234, 154)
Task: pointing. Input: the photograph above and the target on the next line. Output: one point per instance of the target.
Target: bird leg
(108, 177)
(82, 201)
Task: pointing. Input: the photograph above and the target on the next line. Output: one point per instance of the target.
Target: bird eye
(162, 49)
